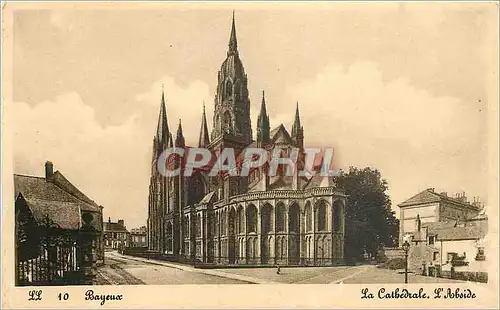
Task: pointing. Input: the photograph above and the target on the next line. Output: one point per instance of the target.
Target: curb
(221, 274)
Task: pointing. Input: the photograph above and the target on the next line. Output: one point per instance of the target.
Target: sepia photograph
(189, 145)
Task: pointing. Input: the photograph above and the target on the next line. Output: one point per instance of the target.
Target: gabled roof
(429, 196)
(426, 196)
(57, 199)
(64, 215)
(139, 231)
(208, 198)
(280, 135)
(60, 180)
(112, 226)
(59, 189)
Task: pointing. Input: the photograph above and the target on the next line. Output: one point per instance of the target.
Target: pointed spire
(263, 104)
(263, 122)
(170, 140)
(233, 43)
(162, 129)
(296, 128)
(203, 141)
(179, 141)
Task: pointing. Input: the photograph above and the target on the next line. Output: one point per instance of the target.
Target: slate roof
(433, 226)
(57, 199)
(66, 215)
(280, 135)
(139, 231)
(208, 197)
(112, 226)
(426, 196)
(429, 196)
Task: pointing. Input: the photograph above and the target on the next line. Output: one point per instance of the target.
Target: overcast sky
(398, 87)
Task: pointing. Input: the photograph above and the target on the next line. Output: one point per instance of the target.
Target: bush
(393, 264)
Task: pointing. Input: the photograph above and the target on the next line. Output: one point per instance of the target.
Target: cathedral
(259, 219)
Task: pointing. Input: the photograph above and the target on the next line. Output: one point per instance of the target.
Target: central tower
(232, 126)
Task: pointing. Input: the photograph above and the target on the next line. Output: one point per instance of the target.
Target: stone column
(203, 236)
(259, 232)
(313, 244)
(245, 242)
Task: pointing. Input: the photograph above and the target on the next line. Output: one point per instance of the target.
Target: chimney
(121, 222)
(109, 219)
(49, 171)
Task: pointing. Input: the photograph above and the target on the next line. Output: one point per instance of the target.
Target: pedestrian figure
(278, 270)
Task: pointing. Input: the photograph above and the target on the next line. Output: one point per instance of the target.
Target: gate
(48, 255)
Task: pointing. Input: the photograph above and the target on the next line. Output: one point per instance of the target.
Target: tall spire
(297, 129)
(179, 141)
(203, 140)
(296, 124)
(233, 43)
(263, 122)
(162, 129)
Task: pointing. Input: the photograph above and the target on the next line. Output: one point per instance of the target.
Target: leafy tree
(370, 223)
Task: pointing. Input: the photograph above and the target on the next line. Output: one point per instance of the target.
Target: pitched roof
(139, 231)
(60, 189)
(434, 226)
(58, 200)
(112, 226)
(280, 135)
(60, 180)
(426, 196)
(208, 197)
(429, 196)
(65, 215)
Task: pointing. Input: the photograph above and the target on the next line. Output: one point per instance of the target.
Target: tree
(370, 223)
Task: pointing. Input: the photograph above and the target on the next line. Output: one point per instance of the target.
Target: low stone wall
(387, 253)
(481, 277)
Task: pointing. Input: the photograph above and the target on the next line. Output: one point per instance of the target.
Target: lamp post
(406, 248)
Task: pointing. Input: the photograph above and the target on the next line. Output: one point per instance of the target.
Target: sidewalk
(212, 272)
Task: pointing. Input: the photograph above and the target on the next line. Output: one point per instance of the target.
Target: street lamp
(406, 248)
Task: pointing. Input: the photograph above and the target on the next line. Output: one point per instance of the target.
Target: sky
(399, 87)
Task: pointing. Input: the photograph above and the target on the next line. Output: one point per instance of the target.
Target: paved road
(365, 274)
(120, 270)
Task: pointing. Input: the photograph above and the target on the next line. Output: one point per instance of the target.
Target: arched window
(266, 219)
(321, 213)
(198, 226)
(241, 220)
(309, 217)
(280, 218)
(251, 219)
(227, 120)
(231, 221)
(337, 216)
(294, 218)
(229, 88)
(237, 90)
